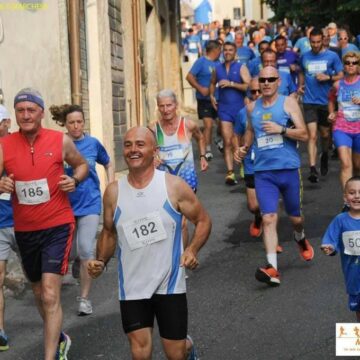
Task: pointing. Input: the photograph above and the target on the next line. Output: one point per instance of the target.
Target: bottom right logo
(347, 339)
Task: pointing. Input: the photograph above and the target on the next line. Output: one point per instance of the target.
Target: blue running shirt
(86, 199)
(343, 234)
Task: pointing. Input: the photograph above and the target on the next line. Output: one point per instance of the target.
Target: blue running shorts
(354, 302)
(351, 141)
(270, 184)
(228, 112)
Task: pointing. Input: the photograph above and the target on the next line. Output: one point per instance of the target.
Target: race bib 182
(140, 232)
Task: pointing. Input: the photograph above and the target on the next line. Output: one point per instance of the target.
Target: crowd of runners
(265, 95)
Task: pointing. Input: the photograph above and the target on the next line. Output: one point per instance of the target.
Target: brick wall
(118, 79)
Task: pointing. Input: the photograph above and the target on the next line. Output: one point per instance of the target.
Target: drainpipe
(74, 43)
(135, 29)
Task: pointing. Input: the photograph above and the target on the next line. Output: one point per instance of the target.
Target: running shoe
(220, 145)
(230, 178)
(255, 231)
(64, 347)
(4, 341)
(268, 274)
(85, 307)
(306, 250)
(75, 269)
(314, 176)
(193, 354)
(324, 163)
(209, 156)
(279, 249)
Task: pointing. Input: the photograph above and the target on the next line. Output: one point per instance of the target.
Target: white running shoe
(85, 307)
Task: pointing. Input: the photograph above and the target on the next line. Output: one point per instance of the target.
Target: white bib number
(270, 141)
(5, 196)
(317, 67)
(351, 113)
(144, 231)
(351, 241)
(205, 36)
(174, 154)
(192, 46)
(32, 192)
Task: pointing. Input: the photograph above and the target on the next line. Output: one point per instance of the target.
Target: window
(237, 13)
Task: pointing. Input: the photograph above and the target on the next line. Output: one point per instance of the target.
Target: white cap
(4, 114)
(332, 25)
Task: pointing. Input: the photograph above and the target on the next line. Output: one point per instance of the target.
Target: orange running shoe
(255, 231)
(268, 275)
(279, 249)
(306, 250)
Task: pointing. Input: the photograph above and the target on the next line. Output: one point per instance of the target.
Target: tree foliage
(318, 12)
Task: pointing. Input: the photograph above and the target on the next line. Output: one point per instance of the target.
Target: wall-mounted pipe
(74, 44)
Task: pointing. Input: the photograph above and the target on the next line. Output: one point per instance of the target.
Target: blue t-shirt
(303, 44)
(192, 42)
(86, 199)
(245, 54)
(287, 85)
(346, 230)
(239, 129)
(254, 66)
(326, 62)
(6, 212)
(350, 47)
(286, 59)
(202, 71)
(273, 151)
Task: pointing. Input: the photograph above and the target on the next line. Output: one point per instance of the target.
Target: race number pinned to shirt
(317, 67)
(140, 232)
(351, 241)
(267, 142)
(5, 196)
(351, 111)
(192, 46)
(32, 192)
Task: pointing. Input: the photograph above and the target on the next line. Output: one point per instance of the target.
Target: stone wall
(118, 80)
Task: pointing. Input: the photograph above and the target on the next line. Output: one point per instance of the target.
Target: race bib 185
(32, 192)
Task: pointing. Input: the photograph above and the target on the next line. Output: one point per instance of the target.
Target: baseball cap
(4, 114)
(332, 25)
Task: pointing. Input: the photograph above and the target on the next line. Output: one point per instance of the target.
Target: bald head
(268, 71)
(141, 133)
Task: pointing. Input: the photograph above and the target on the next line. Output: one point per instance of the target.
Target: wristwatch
(77, 181)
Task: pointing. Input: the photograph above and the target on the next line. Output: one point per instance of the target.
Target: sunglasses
(351, 62)
(271, 79)
(254, 91)
(342, 38)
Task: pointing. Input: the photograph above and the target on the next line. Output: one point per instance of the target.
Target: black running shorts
(205, 109)
(316, 113)
(170, 311)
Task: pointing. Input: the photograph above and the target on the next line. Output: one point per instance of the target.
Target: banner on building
(202, 10)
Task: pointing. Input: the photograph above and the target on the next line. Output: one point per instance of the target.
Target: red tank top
(37, 170)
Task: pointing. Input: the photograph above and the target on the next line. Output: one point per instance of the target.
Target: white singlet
(150, 241)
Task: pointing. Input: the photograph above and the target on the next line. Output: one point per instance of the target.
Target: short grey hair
(166, 93)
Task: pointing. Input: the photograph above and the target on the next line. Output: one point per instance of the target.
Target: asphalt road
(231, 315)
